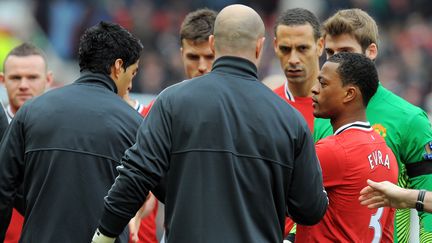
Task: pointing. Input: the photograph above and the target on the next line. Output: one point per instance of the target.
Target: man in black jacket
(236, 157)
(64, 145)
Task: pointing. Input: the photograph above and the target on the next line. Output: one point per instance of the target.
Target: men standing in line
(231, 177)
(405, 127)
(64, 146)
(354, 153)
(25, 76)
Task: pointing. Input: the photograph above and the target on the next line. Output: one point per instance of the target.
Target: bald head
(237, 30)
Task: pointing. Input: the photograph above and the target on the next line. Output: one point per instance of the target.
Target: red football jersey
(302, 104)
(354, 154)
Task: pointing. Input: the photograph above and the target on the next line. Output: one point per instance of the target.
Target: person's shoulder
(397, 104)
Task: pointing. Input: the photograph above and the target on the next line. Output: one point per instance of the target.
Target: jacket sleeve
(143, 167)
(3, 122)
(11, 168)
(307, 199)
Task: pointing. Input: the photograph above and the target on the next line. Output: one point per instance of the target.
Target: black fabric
(419, 168)
(64, 147)
(234, 156)
(3, 122)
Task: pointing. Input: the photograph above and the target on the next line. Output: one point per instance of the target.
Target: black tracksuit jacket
(64, 147)
(235, 157)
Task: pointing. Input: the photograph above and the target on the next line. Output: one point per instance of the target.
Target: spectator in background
(25, 75)
(226, 181)
(64, 146)
(405, 127)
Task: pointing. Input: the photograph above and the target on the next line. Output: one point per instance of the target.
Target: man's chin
(317, 114)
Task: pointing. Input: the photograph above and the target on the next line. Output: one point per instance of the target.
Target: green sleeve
(322, 129)
(417, 134)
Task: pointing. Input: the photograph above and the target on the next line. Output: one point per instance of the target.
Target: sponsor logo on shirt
(380, 129)
(428, 154)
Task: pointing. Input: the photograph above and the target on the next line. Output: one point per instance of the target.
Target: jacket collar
(236, 66)
(97, 79)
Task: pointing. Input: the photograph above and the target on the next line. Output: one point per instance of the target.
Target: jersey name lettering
(376, 158)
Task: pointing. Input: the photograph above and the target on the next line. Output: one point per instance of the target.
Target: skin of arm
(387, 194)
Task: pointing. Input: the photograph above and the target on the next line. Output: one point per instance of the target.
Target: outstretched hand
(383, 194)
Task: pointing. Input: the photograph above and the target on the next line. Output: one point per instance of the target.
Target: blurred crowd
(405, 59)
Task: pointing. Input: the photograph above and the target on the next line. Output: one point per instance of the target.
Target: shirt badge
(380, 129)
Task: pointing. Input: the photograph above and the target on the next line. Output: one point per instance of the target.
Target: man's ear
(372, 51)
(259, 47)
(116, 69)
(2, 77)
(50, 79)
(320, 46)
(351, 93)
(212, 43)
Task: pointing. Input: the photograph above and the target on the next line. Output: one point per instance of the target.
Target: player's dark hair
(299, 16)
(198, 25)
(359, 70)
(105, 42)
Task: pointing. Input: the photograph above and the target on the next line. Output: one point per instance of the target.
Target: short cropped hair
(26, 49)
(198, 25)
(299, 16)
(355, 22)
(105, 42)
(359, 70)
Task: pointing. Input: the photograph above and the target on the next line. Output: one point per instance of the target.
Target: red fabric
(147, 230)
(347, 161)
(13, 233)
(302, 104)
(147, 108)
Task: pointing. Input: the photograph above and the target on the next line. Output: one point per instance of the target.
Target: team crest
(380, 129)
(428, 154)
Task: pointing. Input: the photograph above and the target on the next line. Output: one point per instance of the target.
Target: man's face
(197, 58)
(24, 77)
(125, 79)
(328, 93)
(341, 43)
(298, 52)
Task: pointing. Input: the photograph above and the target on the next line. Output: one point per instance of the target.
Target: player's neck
(347, 118)
(301, 89)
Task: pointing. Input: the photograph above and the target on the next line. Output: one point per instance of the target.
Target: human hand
(385, 194)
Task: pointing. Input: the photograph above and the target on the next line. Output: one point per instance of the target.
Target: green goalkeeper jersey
(407, 131)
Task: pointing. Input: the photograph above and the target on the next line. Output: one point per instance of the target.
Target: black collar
(97, 79)
(236, 66)
(365, 126)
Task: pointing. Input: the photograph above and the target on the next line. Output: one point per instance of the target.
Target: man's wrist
(98, 237)
(420, 200)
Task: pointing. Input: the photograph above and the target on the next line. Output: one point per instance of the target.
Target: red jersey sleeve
(330, 160)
